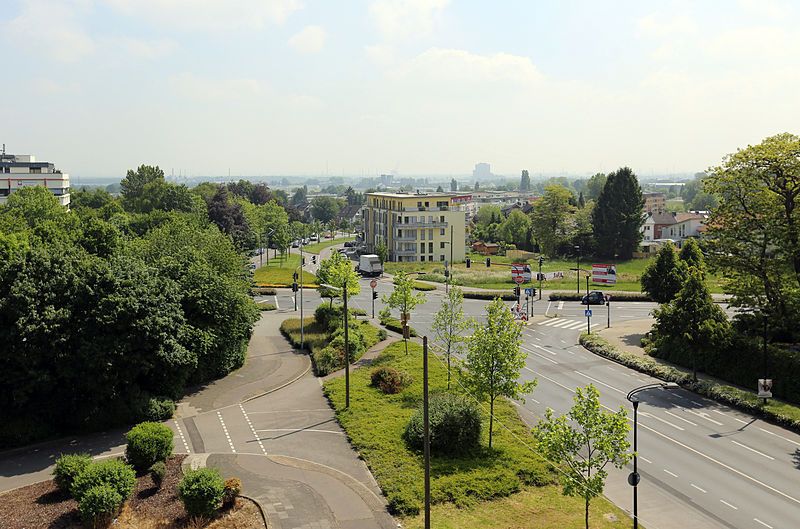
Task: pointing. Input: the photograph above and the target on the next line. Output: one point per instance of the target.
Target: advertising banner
(604, 274)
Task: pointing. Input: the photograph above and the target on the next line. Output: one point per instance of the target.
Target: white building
(18, 171)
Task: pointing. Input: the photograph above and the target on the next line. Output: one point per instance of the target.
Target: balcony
(423, 225)
(405, 238)
(405, 253)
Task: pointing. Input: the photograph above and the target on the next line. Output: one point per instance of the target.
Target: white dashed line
(278, 306)
(734, 507)
(704, 415)
(753, 450)
(779, 436)
(670, 473)
(645, 460)
(679, 418)
(660, 419)
(225, 429)
(252, 429)
(698, 488)
(599, 382)
(762, 523)
(180, 434)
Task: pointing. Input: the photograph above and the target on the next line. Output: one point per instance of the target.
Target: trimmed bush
(148, 442)
(454, 425)
(490, 295)
(267, 306)
(393, 324)
(615, 296)
(159, 409)
(423, 287)
(264, 291)
(389, 380)
(382, 335)
(68, 467)
(233, 487)
(112, 472)
(158, 471)
(201, 491)
(99, 504)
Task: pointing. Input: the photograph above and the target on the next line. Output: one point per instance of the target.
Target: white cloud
(190, 86)
(767, 7)
(209, 15)
(310, 39)
(380, 55)
(406, 18)
(654, 25)
(51, 29)
(148, 49)
(755, 46)
(461, 65)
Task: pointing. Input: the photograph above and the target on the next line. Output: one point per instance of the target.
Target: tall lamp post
(633, 477)
(578, 273)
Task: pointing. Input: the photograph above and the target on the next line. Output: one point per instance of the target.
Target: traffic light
(533, 292)
(303, 262)
(294, 276)
(541, 260)
(516, 291)
(469, 261)
(488, 262)
(294, 287)
(314, 259)
(446, 272)
(374, 295)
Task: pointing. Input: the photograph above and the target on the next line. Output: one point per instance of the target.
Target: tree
(754, 233)
(551, 218)
(448, 325)
(324, 209)
(403, 298)
(663, 277)
(382, 251)
(599, 439)
(692, 255)
(134, 182)
(691, 324)
(595, 185)
(453, 185)
(440, 189)
(525, 181)
(703, 202)
(336, 271)
(299, 195)
(618, 216)
(33, 206)
(494, 359)
(227, 215)
(516, 229)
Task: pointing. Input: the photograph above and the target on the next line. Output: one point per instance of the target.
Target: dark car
(595, 297)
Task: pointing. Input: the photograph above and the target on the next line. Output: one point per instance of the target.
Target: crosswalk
(562, 323)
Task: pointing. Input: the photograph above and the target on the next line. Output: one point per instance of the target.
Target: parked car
(595, 297)
(295, 243)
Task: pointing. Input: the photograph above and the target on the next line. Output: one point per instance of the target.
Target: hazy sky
(292, 87)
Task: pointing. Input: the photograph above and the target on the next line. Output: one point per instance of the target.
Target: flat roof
(386, 194)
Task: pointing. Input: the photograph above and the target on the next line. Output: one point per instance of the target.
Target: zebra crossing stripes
(567, 324)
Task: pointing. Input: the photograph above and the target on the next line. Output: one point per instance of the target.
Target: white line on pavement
(703, 415)
(645, 460)
(753, 450)
(289, 411)
(599, 382)
(780, 436)
(665, 470)
(560, 305)
(252, 429)
(180, 433)
(762, 523)
(671, 414)
(734, 507)
(698, 488)
(225, 429)
(644, 413)
(300, 430)
(278, 306)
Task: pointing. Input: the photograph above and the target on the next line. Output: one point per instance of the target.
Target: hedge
(490, 294)
(615, 296)
(267, 306)
(747, 401)
(393, 324)
(264, 291)
(423, 287)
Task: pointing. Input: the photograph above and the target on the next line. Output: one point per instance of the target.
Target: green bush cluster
(264, 291)
(68, 467)
(267, 306)
(158, 409)
(423, 287)
(393, 324)
(158, 471)
(201, 491)
(502, 294)
(454, 426)
(148, 442)
(615, 296)
(99, 504)
(389, 380)
(780, 413)
(111, 472)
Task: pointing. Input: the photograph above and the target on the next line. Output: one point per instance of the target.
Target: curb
(288, 382)
(260, 509)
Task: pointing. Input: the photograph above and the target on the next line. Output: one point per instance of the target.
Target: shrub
(615, 296)
(148, 442)
(423, 287)
(233, 487)
(264, 291)
(158, 472)
(393, 324)
(389, 380)
(112, 472)
(267, 306)
(454, 424)
(68, 467)
(382, 335)
(504, 295)
(158, 409)
(201, 491)
(99, 504)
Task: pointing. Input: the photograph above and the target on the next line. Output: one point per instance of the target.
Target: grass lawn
(500, 487)
(317, 246)
(279, 272)
(498, 277)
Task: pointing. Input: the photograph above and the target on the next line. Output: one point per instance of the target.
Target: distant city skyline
(420, 87)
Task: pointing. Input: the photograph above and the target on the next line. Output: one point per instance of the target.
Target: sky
(363, 87)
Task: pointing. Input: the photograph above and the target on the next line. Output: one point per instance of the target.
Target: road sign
(373, 283)
(521, 270)
(765, 388)
(519, 280)
(588, 313)
(604, 274)
(608, 297)
(527, 292)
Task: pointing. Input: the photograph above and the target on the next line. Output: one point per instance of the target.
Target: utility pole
(346, 349)
(301, 297)
(427, 438)
(541, 259)
(451, 255)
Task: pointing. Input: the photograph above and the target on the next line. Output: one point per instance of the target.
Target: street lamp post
(633, 477)
(301, 295)
(343, 290)
(578, 273)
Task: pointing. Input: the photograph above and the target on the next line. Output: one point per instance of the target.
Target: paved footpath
(269, 425)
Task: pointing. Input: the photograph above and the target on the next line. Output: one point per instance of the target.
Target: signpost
(588, 313)
(608, 309)
(373, 284)
(764, 388)
(522, 271)
(528, 293)
(604, 274)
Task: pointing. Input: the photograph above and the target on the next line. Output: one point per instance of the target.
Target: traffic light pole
(373, 303)
(540, 277)
(301, 297)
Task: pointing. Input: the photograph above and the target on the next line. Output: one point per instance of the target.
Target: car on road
(595, 297)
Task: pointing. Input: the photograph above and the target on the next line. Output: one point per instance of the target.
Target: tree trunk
(491, 419)
(448, 366)
(586, 515)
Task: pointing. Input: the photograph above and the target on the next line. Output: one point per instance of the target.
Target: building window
(422, 247)
(441, 245)
(430, 247)
(441, 257)
(422, 234)
(441, 218)
(419, 205)
(399, 235)
(430, 258)
(441, 232)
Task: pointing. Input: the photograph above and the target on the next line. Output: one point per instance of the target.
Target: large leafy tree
(134, 182)
(494, 359)
(337, 271)
(595, 185)
(325, 209)
(227, 215)
(551, 215)
(525, 181)
(618, 216)
(663, 277)
(585, 441)
(692, 255)
(403, 298)
(755, 232)
(449, 325)
(516, 229)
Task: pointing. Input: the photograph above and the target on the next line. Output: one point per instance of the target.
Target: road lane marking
(698, 488)
(180, 433)
(560, 305)
(540, 356)
(679, 418)
(300, 430)
(548, 307)
(734, 507)
(545, 349)
(762, 523)
(252, 429)
(671, 473)
(278, 306)
(703, 415)
(753, 450)
(599, 382)
(225, 429)
(645, 460)
(549, 379)
(644, 413)
(289, 411)
(780, 436)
